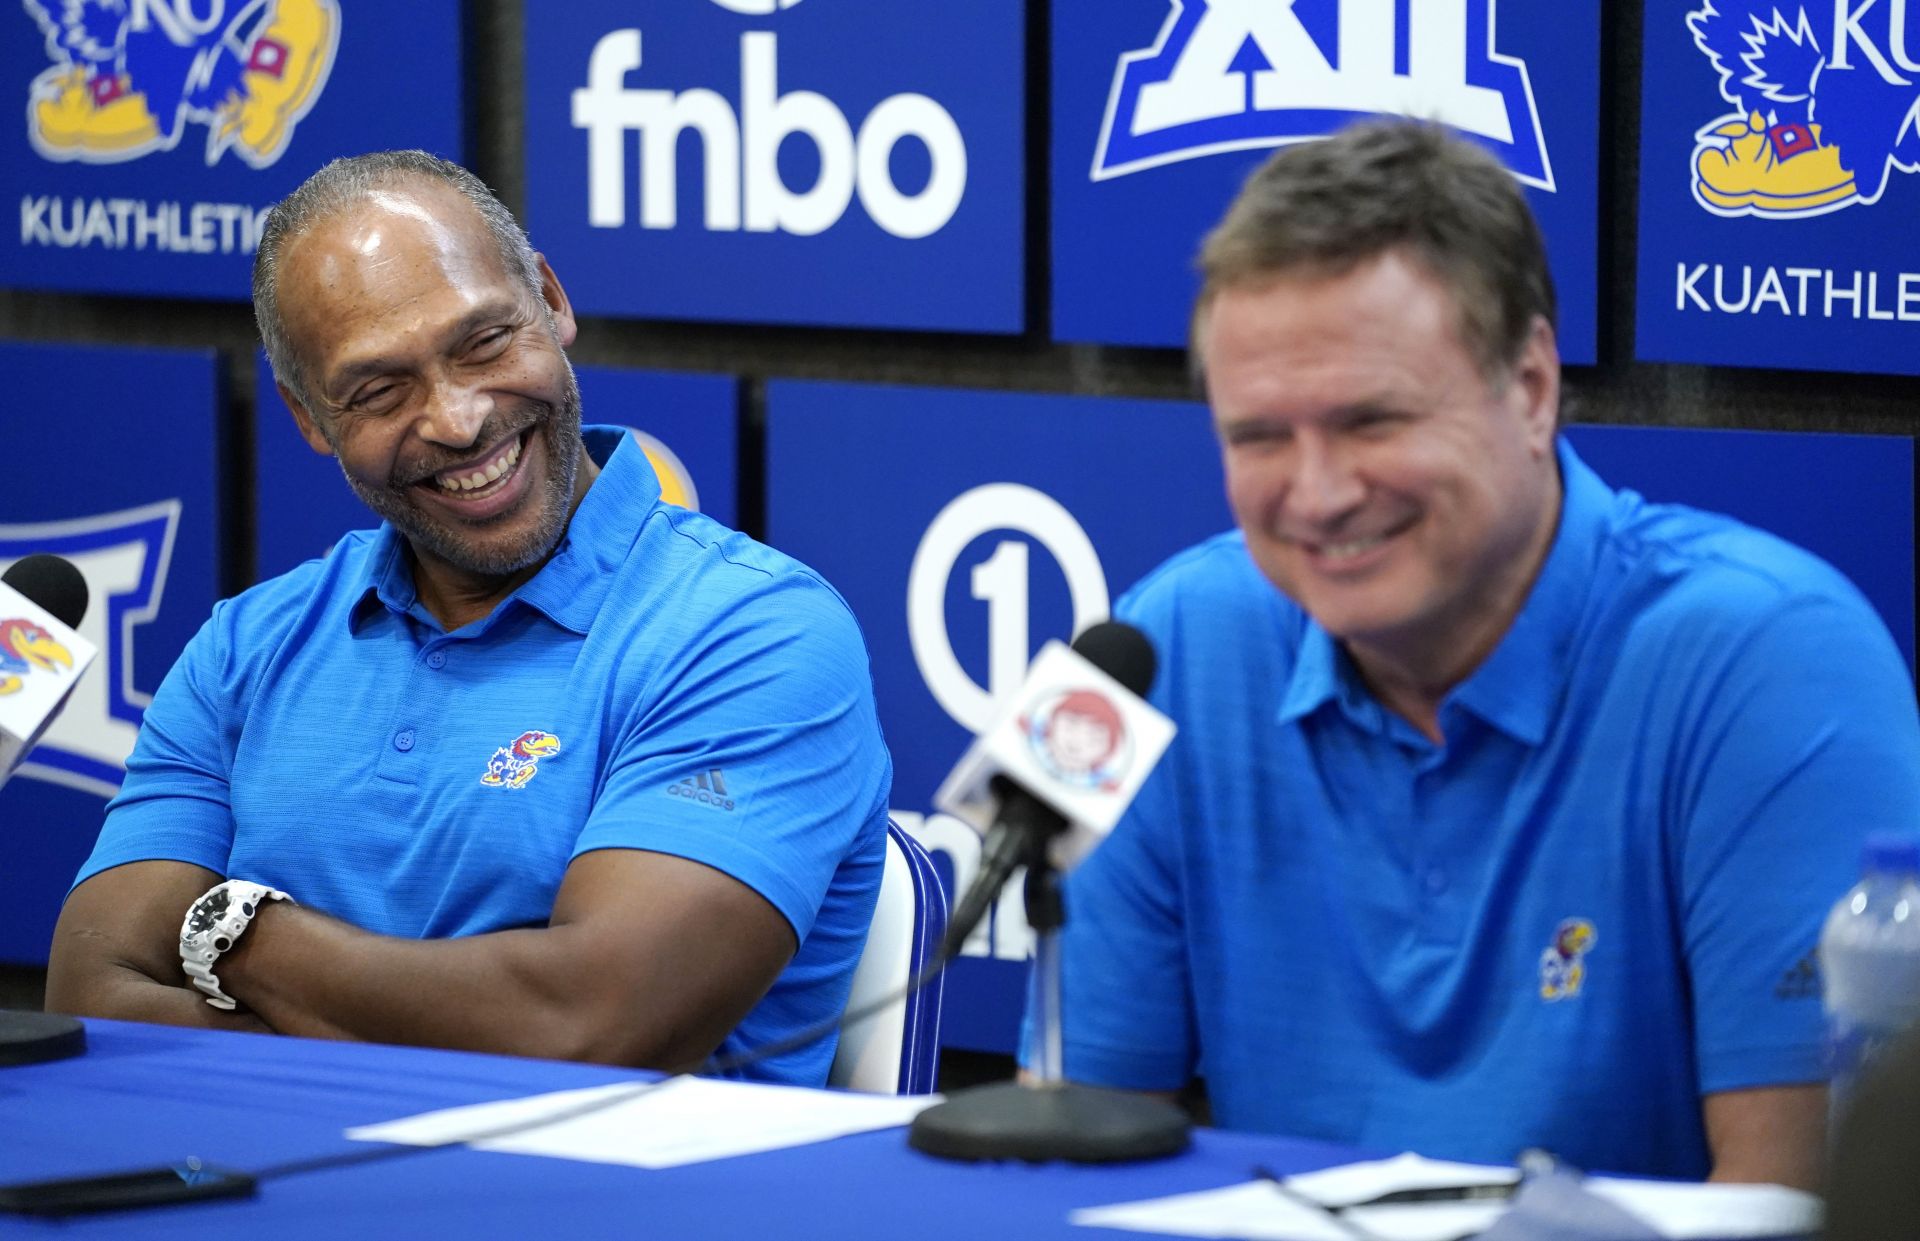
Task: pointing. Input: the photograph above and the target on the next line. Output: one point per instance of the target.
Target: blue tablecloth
(145, 1095)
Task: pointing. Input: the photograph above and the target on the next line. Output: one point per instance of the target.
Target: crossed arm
(1770, 1134)
(648, 959)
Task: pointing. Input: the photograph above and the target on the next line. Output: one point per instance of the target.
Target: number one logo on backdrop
(1001, 582)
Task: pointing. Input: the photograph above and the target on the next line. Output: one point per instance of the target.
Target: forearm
(515, 992)
(116, 953)
(85, 979)
(1770, 1134)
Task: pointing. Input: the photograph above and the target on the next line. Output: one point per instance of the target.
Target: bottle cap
(1892, 852)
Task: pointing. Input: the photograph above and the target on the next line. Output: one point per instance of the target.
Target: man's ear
(1535, 382)
(303, 418)
(556, 299)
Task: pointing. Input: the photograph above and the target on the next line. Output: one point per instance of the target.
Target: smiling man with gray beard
(543, 765)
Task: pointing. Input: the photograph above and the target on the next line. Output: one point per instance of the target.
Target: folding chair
(897, 1050)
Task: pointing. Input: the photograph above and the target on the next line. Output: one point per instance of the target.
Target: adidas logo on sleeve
(709, 788)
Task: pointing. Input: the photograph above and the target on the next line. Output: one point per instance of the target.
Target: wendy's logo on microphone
(24, 648)
(1080, 737)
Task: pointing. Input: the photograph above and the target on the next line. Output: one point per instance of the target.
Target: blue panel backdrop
(123, 486)
(851, 163)
(155, 133)
(304, 504)
(1161, 108)
(966, 528)
(1777, 186)
(1847, 498)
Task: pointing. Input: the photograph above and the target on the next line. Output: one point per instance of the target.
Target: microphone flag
(1075, 738)
(40, 661)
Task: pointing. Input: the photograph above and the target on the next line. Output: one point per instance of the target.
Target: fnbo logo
(740, 145)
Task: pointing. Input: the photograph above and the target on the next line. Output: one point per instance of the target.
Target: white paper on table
(1681, 1209)
(1358, 1182)
(1260, 1211)
(688, 1120)
(1255, 1211)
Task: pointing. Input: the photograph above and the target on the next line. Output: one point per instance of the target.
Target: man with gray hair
(543, 765)
(1506, 806)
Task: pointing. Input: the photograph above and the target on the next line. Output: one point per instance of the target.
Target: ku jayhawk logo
(1563, 966)
(25, 646)
(129, 75)
(1825, 103)
(513, 765)
(1080, 737)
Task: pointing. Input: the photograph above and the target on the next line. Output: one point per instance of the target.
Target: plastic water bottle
(1870, 959)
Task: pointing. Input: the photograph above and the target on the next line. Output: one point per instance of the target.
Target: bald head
(398, 182)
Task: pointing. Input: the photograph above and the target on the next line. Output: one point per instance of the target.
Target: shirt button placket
(1426, 865)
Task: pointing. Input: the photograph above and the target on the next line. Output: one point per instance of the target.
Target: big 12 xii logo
(130, 77)
(1233, 75)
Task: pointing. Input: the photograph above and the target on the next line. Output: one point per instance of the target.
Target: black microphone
(52, 582)
(1022, 821)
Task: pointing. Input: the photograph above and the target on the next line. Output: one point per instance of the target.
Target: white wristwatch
(213, 924)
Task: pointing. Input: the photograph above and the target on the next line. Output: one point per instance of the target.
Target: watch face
(208, 911)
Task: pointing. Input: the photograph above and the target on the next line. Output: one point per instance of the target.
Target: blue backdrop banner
(686, 422)
(125, 490)
(156, 133)
(1776, 185)
(851, 163)
(1819, 491)
(1162, 107)
(974, 526)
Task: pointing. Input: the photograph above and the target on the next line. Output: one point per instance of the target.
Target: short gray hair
(342, 184)
(1328, 206)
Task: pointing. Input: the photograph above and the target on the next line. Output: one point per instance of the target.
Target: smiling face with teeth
(438, 379)
(1399, 495)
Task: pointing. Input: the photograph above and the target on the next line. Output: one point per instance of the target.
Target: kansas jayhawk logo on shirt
(513, 765)
(1563, 966)
(130, 76)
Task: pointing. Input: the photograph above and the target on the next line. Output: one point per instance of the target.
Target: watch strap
(214, 923)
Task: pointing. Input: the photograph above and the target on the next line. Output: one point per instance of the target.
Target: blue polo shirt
(1594, 903)
(662, 683)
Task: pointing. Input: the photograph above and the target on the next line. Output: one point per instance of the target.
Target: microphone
(52, 582)
(42, 598)
(1061, 765)
(1046, 784)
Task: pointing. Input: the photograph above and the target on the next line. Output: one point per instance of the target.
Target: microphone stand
(31, 1038)
(1048, 1117)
